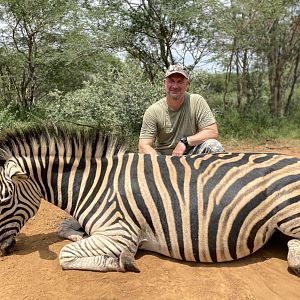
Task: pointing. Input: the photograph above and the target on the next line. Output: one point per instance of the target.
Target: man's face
(175, 86)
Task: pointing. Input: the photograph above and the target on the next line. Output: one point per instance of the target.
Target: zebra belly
(203, 250)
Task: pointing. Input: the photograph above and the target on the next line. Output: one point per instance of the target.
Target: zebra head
(15, 209)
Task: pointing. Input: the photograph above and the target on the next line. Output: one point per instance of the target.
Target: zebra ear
(15, 172)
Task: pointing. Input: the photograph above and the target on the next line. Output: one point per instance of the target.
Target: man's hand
(179, 149)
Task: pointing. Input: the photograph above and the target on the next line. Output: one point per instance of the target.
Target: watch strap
(184, 141)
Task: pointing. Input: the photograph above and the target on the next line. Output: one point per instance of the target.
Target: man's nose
(175, 84)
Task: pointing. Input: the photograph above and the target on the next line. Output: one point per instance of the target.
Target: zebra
(203, 208)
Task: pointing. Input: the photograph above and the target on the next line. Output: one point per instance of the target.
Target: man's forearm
(203, 135)
(147, 149)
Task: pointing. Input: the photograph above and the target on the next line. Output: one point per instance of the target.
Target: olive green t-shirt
(167, 127)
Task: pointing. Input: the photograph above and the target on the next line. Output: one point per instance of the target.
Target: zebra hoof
(7, 246)
(293, 257)
(75, 238)
(127, 263)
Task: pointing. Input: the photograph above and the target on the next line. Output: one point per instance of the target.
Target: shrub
(114, 102)
(11, 117)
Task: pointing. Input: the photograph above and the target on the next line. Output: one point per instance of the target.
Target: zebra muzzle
(7, 246)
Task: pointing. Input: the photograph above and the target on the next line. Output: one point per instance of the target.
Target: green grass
(258, 126)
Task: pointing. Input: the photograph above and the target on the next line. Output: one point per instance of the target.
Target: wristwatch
(184, 141)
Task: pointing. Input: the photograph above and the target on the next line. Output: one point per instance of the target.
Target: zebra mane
(66, 140)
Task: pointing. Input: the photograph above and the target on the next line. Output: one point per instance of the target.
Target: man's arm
(205, 133)
(146, 146)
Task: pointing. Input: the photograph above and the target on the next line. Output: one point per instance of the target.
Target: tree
(45, 46)
(282, 52)
(261, 40)
(157, 33)
(29, 27)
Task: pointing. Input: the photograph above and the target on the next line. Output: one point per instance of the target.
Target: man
(181, 123)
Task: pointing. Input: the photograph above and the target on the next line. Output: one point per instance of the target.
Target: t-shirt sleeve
(149, 125)
(204, 115)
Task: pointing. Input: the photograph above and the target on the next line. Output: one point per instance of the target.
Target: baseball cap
(177, 68)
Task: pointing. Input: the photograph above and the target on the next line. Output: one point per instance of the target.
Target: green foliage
(44, 46)
(257, 125)
(61, 61)
(156, 33)
(11, 116)
(114, 101)
(206, 83)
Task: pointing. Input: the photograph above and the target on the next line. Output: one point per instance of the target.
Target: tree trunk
(239, 82)
(276, 91)
(227, 78)
(294, 81)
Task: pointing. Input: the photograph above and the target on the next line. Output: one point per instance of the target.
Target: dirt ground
(33, 271)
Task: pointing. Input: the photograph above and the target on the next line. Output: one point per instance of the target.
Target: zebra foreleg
(70, 229)
(294, 256)
(90, 254)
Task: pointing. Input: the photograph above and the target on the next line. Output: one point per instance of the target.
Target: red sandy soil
(33, 270)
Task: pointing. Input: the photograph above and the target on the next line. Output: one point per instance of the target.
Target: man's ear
(14, 171)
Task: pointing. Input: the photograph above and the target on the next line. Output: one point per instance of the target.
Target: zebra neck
(68, 186)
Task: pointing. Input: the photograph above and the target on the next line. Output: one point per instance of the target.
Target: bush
(257, 125)
(113, 102)
(11, 117)
(115, 99)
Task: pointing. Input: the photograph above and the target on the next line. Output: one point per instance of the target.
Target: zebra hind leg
(92, 254)
(294, 256)
(70, 229)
